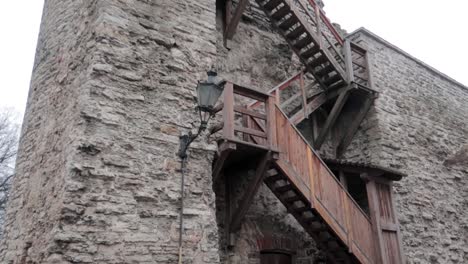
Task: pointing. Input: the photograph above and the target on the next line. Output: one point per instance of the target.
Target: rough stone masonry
(98, 177)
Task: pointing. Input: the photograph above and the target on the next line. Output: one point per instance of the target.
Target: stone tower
(98, 176)
(112, 88)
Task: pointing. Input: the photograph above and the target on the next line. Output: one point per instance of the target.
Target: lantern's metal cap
(212, 73)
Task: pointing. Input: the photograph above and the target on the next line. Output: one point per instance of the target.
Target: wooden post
(271, 122)
(374, 211)
(319, 26)
(304, 95)
(347, 210)
(228, 111)
(312, 178)
(400, 242)
(348, 61)
(277, 93)
(235, 19)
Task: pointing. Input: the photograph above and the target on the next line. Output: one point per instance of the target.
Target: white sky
(433, 31)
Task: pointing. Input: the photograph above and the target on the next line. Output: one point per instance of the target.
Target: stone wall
(418, 122)
(98, 178)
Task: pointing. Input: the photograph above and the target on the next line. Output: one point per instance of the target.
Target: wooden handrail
(327, 22)
(306, 170)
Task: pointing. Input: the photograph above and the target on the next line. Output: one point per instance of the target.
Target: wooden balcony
(255, 129)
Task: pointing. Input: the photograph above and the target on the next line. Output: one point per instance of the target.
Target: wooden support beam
(228, 210)
(336, 110)
(235, 19)
(348, 61)
(374, 211)
(352, 129)
(224, 149)
(252, 189)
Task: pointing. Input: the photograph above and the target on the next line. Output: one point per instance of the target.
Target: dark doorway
(275, 258)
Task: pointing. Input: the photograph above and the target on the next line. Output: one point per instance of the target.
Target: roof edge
(406, 54)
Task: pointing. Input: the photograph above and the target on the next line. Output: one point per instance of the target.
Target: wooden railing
(328, 38)
(266, 126)
(237, 126)
(324, 191)
(360, 65)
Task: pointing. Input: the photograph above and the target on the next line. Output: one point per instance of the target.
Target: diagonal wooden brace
(250, 192)
(335, 112)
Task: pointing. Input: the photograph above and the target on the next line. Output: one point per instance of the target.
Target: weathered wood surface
(270, 129)
(324, 191)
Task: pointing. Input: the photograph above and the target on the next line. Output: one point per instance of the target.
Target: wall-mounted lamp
(208, 93)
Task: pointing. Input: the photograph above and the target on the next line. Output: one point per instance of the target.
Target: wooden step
(280, 12)
(324, 236)
(302, 42)
(317, 226)
(274, 178)
(296, 32)
(312, 51)
(285, 188)
(287, 22)
(309, 218)
(315, 62)
(337, 85)
(292, 199)
(301, 209)
(325, 70)
(271, 4)
(331, 80)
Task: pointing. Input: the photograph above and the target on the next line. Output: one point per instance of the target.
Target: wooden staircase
(339, 67)
(292, 170)
(302, 30)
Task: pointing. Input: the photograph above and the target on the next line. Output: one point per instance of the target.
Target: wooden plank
(271, 123)
(304, 95)
(397, 224)
(250, 93)
(346, 206)
(375, 220)
(250, 192)
(312, 180)
(337, 107)
(250, 131)
(290, 99)
(228, 111)
(245, 111)
(235, 19)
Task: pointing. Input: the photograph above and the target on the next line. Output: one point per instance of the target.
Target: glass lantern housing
(208, 93)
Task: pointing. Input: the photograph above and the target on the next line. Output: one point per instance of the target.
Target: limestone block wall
(97, 176)
(419, 121)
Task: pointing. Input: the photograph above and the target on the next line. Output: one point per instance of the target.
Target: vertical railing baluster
(348, 61)
(304, 95)
(228, 111)
(271, 122)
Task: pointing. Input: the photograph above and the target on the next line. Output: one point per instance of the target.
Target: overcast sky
(433, 31)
